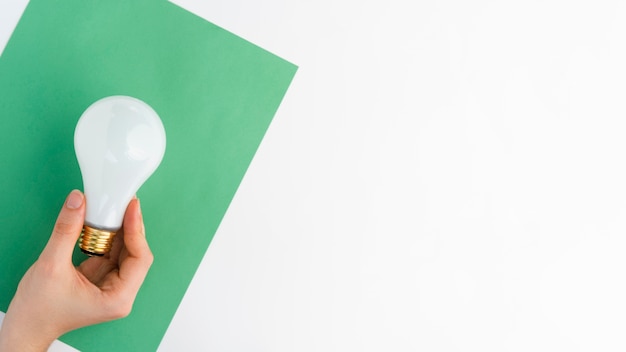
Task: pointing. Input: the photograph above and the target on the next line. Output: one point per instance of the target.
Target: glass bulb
(119, 143)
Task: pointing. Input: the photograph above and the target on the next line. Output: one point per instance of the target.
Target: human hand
(55, 297)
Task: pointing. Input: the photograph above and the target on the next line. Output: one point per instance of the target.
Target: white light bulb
(119, 142)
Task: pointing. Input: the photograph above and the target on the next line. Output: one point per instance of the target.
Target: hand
(54, 297)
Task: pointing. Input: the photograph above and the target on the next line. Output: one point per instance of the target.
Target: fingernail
(75, 200)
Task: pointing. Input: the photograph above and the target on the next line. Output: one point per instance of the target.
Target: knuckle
(123, 312)
(149, 258)
(63, 227)
(144, 254)
(119, 310)
(46, 269)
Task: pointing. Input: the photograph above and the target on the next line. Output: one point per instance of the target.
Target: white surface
(442, 176)
(11, 11)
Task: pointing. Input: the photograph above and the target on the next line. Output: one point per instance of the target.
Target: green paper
(215, 92)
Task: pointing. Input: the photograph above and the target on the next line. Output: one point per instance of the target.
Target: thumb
(66, 230)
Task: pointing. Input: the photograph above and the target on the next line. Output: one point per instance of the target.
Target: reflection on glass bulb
(119, 142)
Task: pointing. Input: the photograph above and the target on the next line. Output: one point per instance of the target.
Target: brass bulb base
(95, 242)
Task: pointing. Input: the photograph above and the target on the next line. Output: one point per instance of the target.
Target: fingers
(134, 267)
(66, 230)
(116, 247)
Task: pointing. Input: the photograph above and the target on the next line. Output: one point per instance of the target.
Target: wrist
(14, 337)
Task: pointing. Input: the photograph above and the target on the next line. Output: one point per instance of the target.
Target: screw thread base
(95, 242)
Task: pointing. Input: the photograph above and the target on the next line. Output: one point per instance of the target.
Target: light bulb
(119, 143)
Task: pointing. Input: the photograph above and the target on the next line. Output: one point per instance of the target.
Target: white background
(441, 176)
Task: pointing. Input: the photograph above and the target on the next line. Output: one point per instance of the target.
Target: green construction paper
(215, 92)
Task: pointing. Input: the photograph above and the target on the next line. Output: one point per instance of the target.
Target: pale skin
(55, 297)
